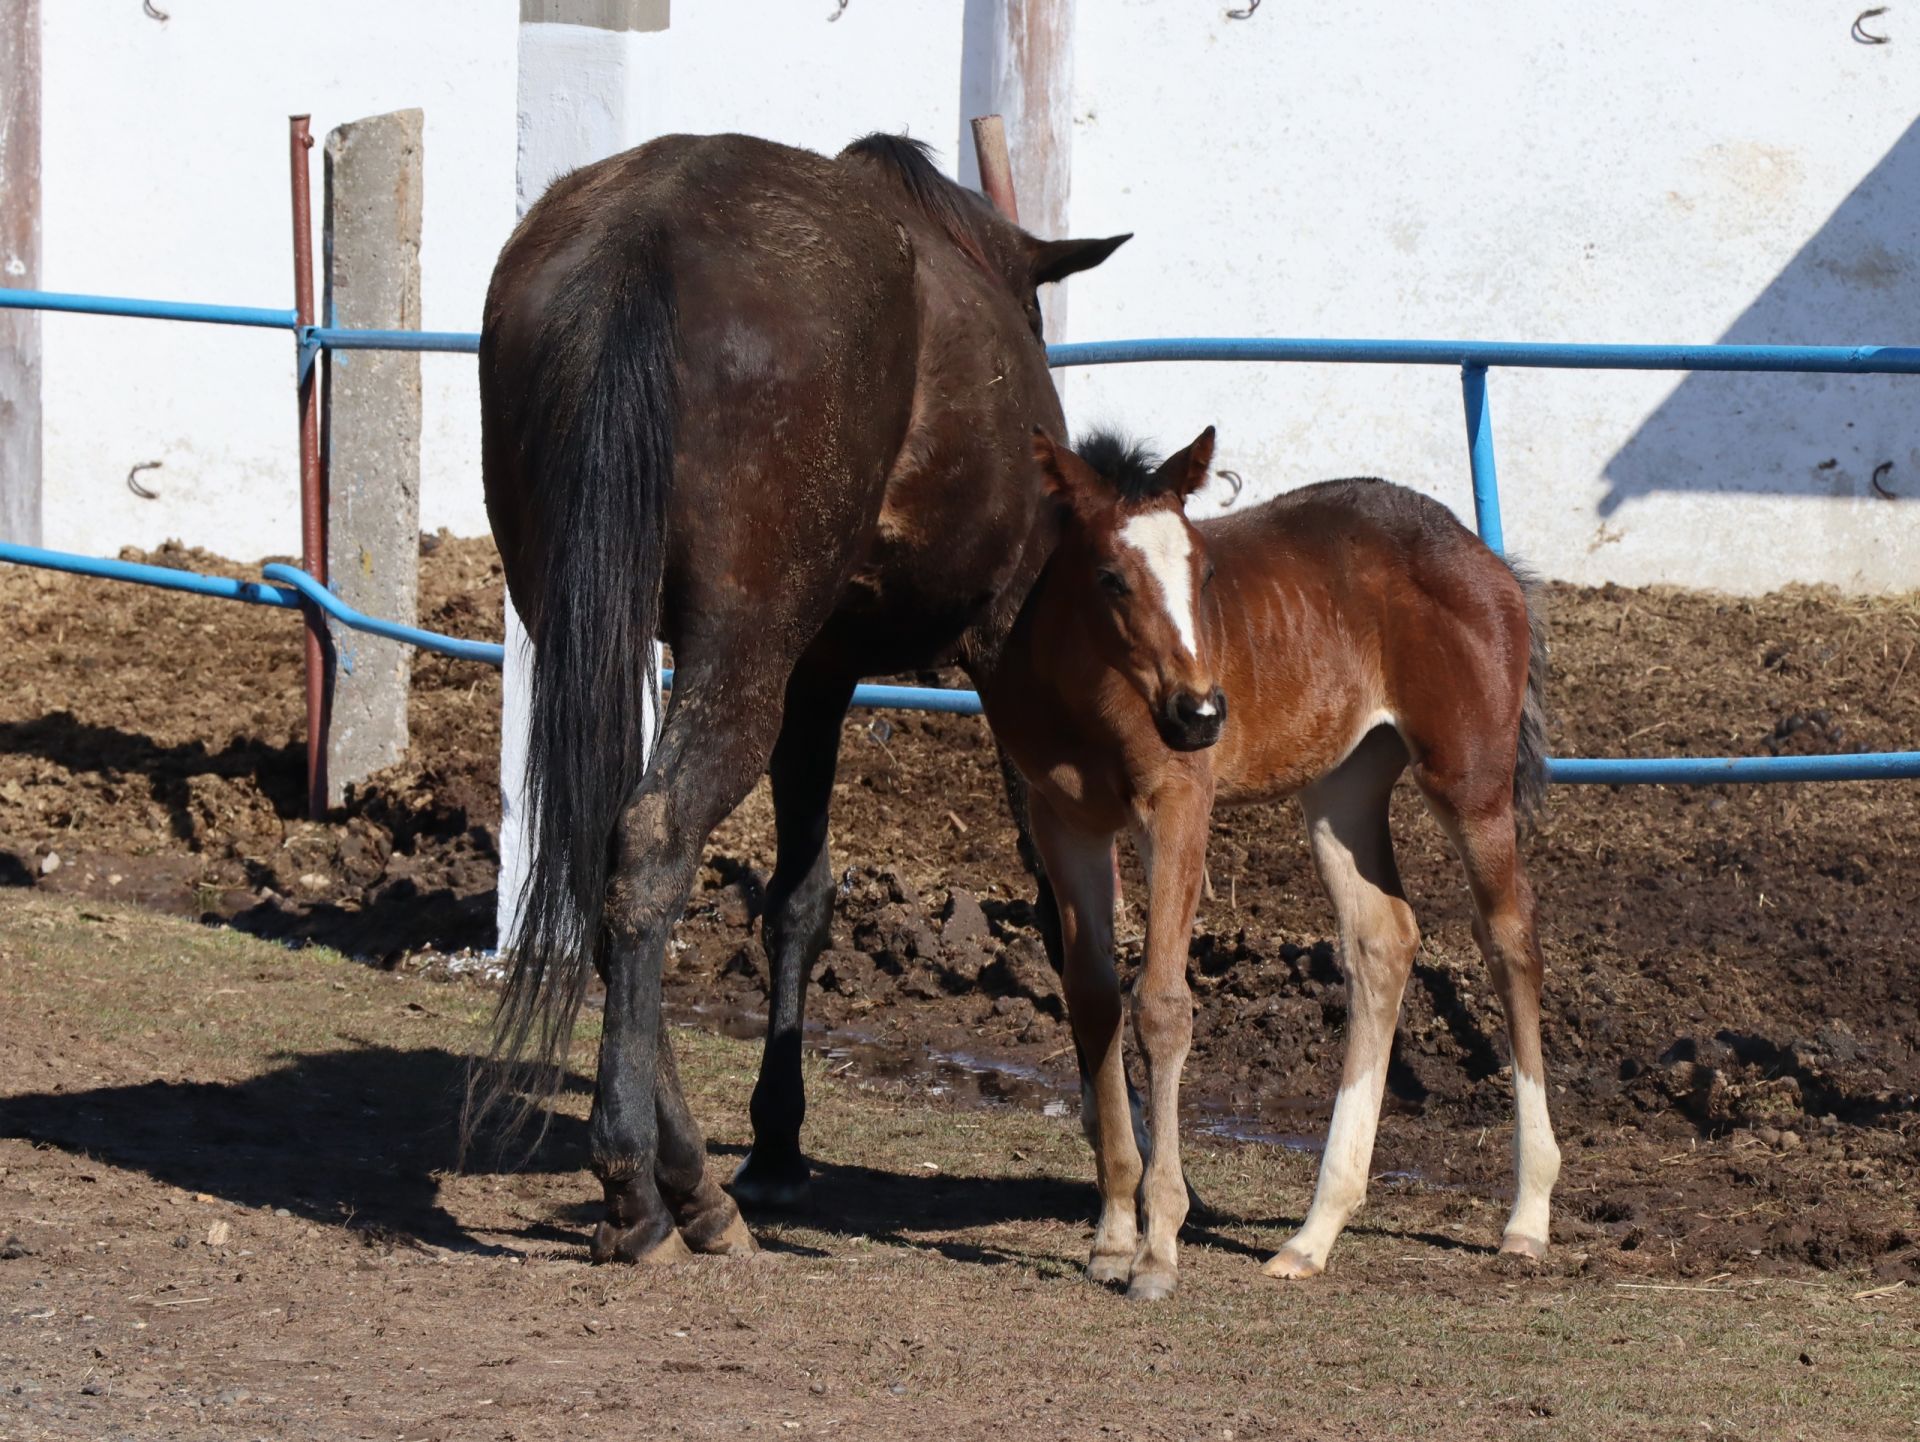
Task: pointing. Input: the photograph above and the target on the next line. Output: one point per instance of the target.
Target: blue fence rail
(1474, 358)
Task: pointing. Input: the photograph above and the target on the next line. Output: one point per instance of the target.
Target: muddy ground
(1732, 1010)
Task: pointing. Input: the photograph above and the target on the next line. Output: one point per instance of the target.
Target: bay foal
(1317, 645)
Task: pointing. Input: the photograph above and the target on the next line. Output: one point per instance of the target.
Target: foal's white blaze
(1162, 541)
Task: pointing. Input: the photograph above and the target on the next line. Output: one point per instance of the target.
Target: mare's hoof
(1109, 1270)
(1515, 1245)
(639, 1245)
(732, 1240)
(779, 1183)
(1293, 1266)
(1151, 1286)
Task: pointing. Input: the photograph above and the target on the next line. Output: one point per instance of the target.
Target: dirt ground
(1732, 1016)
(229, 1210)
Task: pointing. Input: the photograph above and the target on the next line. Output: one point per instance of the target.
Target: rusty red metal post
(996, 166)
(313, 489)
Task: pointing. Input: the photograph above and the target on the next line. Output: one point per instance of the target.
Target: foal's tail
(1530, 753)
(596, 427)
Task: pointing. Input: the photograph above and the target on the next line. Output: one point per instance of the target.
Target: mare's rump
(794, 329)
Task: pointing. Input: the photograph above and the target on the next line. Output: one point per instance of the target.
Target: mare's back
(743, 223)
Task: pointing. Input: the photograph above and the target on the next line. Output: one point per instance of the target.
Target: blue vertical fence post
(1486, 481)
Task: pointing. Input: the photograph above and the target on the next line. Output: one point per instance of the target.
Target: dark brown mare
(773, 409)
(1318, 646)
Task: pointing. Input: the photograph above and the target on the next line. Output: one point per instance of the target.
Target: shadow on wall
(1856, 282)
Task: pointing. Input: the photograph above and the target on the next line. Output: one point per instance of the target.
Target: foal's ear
(1186, 471)
(1058, 259)
(1060, 469)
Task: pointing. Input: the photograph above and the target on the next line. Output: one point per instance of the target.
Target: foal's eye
(1113, 583)
(1207, 580)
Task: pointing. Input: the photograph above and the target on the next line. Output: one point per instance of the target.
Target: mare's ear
(1186, 471)
(1056, 464)
(1058, 259)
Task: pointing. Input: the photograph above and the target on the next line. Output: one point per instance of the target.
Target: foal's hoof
(772, 1182)
(1293, 1266)
(1154, 1286)
(638, 1245)
(1109, 1270)
(1529, 1248)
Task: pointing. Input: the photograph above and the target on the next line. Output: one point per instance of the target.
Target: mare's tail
(1530, 753)
(596, 423)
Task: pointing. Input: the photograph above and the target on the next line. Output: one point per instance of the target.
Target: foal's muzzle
(1189, 722)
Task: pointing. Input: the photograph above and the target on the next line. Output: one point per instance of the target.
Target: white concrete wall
(1489, 168)
(1511, 169)
(166, 175)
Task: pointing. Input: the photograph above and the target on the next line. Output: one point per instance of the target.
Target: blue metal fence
(1474, 358)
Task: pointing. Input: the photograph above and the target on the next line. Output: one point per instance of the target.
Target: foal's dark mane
(950, 205)
(1130, 469)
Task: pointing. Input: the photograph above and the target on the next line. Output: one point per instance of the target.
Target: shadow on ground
(338, 1137)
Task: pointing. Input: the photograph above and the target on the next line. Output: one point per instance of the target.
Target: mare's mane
(947, 203)
(1129, 469)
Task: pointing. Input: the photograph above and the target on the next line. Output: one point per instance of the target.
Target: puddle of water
(1239, 1127)
(973, 1080)
(1296, 1123)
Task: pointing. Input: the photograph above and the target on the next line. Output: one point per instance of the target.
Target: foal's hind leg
(709, 757)
(1353, 850)
(799, 915)
(1477, 815)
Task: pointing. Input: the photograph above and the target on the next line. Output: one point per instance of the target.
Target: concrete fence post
(373, 204)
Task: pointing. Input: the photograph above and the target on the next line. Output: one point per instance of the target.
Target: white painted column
(594, 80)
(1017, 63)
(20, 268)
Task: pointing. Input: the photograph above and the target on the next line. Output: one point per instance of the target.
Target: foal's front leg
(1046, 910)
(1173, 844)
(1081, 867)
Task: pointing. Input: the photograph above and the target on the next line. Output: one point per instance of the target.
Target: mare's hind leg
(799, 916)
(1082, 870)
(709, 757)
(1353, 850)
(1477, 814)
(704, 1215)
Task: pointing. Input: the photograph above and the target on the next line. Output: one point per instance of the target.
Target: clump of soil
(152, 749)
(1732, 1020)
